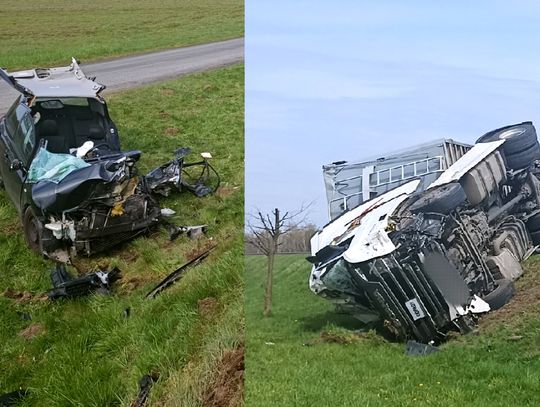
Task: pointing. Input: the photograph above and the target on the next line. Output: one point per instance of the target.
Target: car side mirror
(16, 165)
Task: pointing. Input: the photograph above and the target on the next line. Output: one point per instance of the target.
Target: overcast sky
(328, 82)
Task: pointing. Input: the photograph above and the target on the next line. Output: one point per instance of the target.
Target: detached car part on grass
(425, 260)
(61, 164)
(67, 286)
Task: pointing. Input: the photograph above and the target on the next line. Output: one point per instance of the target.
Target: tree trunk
(269, 282)
(270, 271)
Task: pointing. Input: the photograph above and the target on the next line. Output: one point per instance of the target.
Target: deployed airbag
(53, 167)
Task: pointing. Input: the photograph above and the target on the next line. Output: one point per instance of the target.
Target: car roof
(66, 81)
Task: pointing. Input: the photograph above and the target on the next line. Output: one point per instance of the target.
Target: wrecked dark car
(62, 166)
(420, 261)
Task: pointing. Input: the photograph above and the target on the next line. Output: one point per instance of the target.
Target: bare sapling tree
(266, 231)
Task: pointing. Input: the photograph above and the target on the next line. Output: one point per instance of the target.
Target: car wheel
(523, 159)
(32, 230)
(519, 137)
(443, 199)
(500, 295)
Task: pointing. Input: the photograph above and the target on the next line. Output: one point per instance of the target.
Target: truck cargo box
(349, 184)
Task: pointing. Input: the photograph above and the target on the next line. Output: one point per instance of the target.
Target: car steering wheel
(93, 150)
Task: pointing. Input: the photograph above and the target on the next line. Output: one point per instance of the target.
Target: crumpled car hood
(73, 189)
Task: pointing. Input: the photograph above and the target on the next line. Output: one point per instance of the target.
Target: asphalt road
(132, 71)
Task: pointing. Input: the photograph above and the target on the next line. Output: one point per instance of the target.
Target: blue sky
(349, 80)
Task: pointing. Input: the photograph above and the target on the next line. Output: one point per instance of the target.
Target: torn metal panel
(66, 81)
(177, 174)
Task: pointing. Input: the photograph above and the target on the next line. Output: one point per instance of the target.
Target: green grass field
(290, 363)
(85, 352)
(51, 32)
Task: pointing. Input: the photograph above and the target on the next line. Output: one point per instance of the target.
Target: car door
(17, 142)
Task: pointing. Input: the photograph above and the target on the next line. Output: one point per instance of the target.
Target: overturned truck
(425, 259)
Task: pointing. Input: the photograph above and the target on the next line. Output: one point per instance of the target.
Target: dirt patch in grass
(171, 131)
(23, 297)
(207, 307)
(225, 190)
(345, 337)
(227, 387)
(167, 92)
(133, 283)
(526, 301)
(202, 246)
(129, 256)
(334, 337)
(18, 296)
(32, 331)
(11, 229)
(164, 115)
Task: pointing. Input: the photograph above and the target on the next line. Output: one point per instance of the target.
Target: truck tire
(522, 159)
(443, 199)
(500, 295)
(519, 137)
(32, 230)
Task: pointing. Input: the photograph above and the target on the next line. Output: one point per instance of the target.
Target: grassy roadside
(306, 354)
(48, 33)
(85, 352)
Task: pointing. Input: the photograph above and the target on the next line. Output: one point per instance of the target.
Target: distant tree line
(296, 240)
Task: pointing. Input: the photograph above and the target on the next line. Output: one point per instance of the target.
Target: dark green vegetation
(306, 354)
(85, 352)
(51, 32)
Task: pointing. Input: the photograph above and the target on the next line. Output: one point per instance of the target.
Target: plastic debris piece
(167, 212)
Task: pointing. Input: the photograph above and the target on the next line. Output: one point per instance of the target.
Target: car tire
(501, 295)
(32, 230)
(523, 159)
(519, 137)
(443, 199)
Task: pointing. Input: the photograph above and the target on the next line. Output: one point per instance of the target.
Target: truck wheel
(522, 159)
(519, 137)
(500, 295)
(32, 230)
(443, 199)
